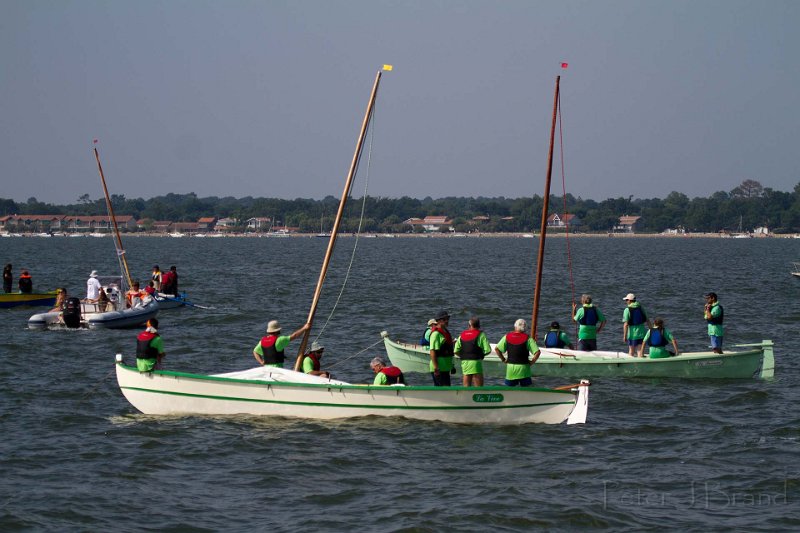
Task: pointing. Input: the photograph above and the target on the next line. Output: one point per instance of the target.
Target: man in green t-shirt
(634, 325)
(657, 338)
(518, 346)
(269, 350)
(441, 351)
(714, 314)
(149, 348)
(311, 361)
(386, 375)
(590, 320)
(472, 346)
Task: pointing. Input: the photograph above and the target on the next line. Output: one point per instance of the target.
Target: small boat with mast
(111, 314)
(270, 391)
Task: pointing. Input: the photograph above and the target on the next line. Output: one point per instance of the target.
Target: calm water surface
(694, 455)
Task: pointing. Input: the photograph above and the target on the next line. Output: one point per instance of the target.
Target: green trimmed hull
(757, 361)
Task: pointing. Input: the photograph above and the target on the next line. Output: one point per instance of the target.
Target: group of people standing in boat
(25, 283)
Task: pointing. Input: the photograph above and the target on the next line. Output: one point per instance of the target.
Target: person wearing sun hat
(311, 361)
(93, 287)
(269, 350)
(441, 350)
(635, 325)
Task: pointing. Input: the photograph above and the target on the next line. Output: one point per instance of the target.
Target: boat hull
(169, 301)
(176, 393)
(125, 318)
(18, 299)
(755, 361)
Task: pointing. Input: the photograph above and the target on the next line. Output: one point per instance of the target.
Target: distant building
(259, 224)
(430, 223)
(206, 223)
(628, 224)
(562, 220)
(225, 224)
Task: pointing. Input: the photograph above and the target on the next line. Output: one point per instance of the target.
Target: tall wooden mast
(118, 240)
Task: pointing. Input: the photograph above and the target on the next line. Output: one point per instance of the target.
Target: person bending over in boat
(590, 321)
(657, 338)
(386, 375)
(8, 278)
(269, 350)
(518, 346)
(714, 314)
(441, 364)
(555, 338)
(25, 282)
(149, 348)
(425, 340)
(472, 346)
(311, 361)
(634, 325)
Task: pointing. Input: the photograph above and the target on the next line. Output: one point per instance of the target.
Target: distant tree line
(750, 204)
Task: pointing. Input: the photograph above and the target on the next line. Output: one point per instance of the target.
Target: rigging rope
(356, 354)
(360, 224)
(566, 217)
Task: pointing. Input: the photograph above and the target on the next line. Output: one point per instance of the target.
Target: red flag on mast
(564, 65)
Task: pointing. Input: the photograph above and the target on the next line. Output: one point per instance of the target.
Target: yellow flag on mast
(388, 68)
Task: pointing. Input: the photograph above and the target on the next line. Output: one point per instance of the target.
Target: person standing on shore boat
(590, 321)
(441, 352)
(714, 315)
(634, 325)
(518, 346)
(25, 282)
(93, 287)
(472, 346)
(269, 350)
(155, 277)
(8, 278)
(425, 340)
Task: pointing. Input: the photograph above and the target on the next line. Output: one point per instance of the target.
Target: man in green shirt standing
(472, 346)
(591, 322)
(518, 346)
(714, 314)
(634, 325)
(149, 348)
(441, 350)
(269, 350)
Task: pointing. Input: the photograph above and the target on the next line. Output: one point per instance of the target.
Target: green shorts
(146, 365)
(471, 367)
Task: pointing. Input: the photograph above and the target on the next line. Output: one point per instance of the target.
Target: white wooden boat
(747, 361)
(796, 270)
(269, 391)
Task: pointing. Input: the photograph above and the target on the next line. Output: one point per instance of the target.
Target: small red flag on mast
(564, 65)
(95, 141)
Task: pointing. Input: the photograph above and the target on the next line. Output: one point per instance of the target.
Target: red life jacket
(393, 375)
(446, 349)
(517, 348)
(314, 359)
(470, 350)
(143, 348)
(271, 355)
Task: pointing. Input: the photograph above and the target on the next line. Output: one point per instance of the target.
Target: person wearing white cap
(425, 340)
(635, 325)
(311, 361)
(93, 288)
(269, 350)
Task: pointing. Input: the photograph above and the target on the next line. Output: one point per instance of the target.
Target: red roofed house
(430, 223)
(628, 224)
(562, 220)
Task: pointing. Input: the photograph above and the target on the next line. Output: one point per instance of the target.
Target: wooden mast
(543, 228)
(337, 221)
(118, 240)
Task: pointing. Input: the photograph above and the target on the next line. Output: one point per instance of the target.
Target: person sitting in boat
(518, 347)
(555, 338)
(134, 296)
(8, 278)
(590, 322)
(61, 299)
(103, 301)
(311, 361)
(149, 348)
(386, 375)
(150, 289)
(156, 278)
(25, 282)
(93, 288)
(634, 325)
(441, 351)
(425, 340)
(657, 338)
(714, 315)
(269, 350)
(472, 346)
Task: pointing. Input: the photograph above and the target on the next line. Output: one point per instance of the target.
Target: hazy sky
(265, 98)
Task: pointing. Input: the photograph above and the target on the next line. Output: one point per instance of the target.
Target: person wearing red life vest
(472, 346)
(149, 348)
(311, 361)
(25, 283)
(386, 375)
(518, 346)
(269, 350)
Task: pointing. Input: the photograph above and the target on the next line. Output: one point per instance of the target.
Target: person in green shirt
(149, 348)
(386, 375)
(441, 364)
(591, 321)
(714, 314)
(555, 338)
(472, 346)
(657, 338)
(311, 361)
(518, 346)
(269, 350)
(634, 325)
